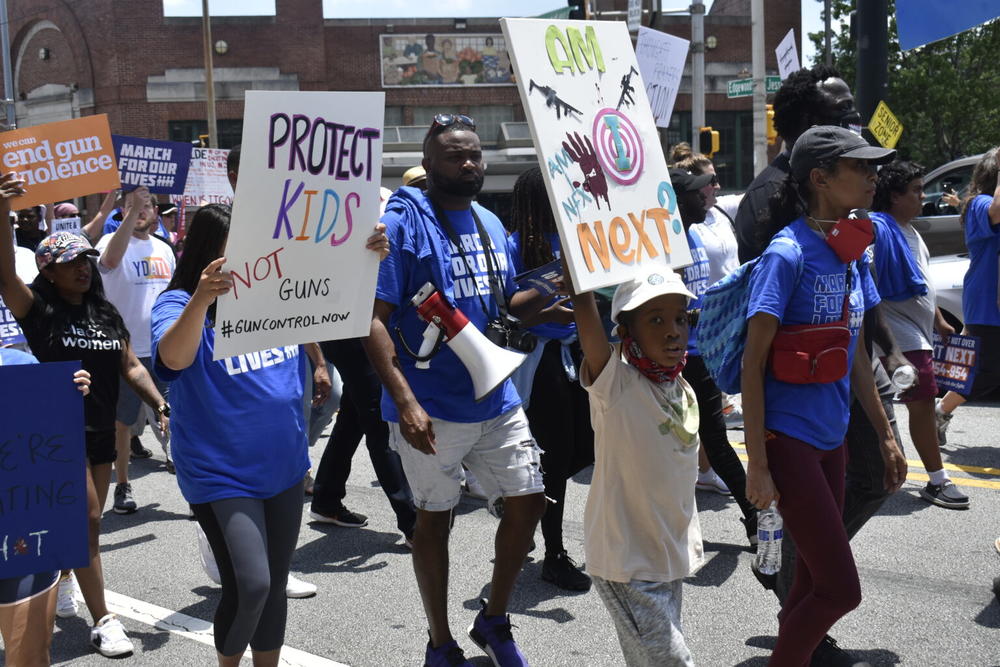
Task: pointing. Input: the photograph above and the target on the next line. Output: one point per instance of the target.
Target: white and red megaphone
(488, 364)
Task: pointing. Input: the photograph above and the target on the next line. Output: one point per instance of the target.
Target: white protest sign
(634, 16)
(207, 183)
(599, 149)
(71, 225)
(788, 55)
(661, 63)
(306, 202)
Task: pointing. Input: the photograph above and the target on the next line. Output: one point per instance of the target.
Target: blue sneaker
(492, 634)
(446, 655)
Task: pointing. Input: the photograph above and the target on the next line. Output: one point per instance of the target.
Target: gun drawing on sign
(628, 90)
(552, 100)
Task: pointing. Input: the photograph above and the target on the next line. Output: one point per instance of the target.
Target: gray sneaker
(945, 495)
(124, 502)
(943, 421)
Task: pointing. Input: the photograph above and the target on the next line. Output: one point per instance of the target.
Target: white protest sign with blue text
(306, 202)
(661, 60)
(598, 147)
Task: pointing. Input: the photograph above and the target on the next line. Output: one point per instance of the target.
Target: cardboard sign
(598, 147)
(61, 160)
(924, 21)
(207, 183)
(661, 60)
(43, 464)
(10, 330)
(306, 203)
(71, 225)
(162, 166)
(955, 362)
(788, 55)
(884, 126)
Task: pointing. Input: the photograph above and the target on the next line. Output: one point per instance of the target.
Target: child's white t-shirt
(641, 521)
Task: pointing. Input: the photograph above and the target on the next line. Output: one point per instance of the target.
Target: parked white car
(947, 274)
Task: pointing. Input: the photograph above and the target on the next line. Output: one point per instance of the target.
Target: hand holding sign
(379, 242)
(10, 186)
(214, 282)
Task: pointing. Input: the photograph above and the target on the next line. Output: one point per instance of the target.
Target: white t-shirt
(144, 272)
(641, 521)
(24, 265)
(912, 320)
(717, 235)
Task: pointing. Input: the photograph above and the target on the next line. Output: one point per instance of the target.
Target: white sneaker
(296, 588)
(732, 413)
(66, 604)
(207, 557)
(109, 637)
(710, 481)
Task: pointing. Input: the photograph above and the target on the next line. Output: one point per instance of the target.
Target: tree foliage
(946, 94)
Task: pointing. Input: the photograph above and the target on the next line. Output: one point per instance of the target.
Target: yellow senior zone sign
(885, 127)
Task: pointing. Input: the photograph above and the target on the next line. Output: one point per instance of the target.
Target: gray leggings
(253, 541)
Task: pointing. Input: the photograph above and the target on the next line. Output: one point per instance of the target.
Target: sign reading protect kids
(61, 160)
(598, 146)
(306, 202)
(43, 485)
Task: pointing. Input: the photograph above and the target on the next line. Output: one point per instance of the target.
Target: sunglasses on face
(714, 181)
(443, 120)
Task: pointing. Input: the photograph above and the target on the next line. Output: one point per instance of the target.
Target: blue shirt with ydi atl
(420, 252)
(804, 283)
(237, 424)
(696, 280)
(550, 330)
(982, 238)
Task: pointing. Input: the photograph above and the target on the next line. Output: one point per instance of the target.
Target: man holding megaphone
(444, 319)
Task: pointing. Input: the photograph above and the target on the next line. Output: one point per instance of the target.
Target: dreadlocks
(532, 218)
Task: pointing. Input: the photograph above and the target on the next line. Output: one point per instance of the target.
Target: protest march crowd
(836, 317)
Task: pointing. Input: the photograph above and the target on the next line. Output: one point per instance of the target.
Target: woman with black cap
(807, 300)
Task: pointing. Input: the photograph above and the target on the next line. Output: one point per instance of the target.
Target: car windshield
(956, 180)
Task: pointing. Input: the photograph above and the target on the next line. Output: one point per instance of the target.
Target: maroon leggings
(810, 482)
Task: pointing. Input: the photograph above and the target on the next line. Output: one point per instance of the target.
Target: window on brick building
(230, 131)
(393, 116)
(488, 119)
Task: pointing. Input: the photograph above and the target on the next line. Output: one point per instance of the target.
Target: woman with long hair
(797, 376)
(66, 317)
(239, 443)
(557, 406)
(981, 221)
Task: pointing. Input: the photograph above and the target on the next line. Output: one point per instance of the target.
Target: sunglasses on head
(443, 120)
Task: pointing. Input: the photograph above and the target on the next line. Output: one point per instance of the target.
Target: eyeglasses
(443, 120)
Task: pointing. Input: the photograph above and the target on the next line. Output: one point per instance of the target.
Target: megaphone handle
(432, 339)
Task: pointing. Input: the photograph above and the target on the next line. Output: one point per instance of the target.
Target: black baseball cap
(685, 181)
(822, 144)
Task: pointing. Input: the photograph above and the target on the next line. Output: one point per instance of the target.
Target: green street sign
(744, 87)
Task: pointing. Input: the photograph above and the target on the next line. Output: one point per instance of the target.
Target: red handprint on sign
(581, 151)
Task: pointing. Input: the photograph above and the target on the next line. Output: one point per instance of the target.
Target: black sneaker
(138, 451)
(344, 518)
(945, 495)
(828, 654)
(170, 467)
(750, 524)
(124, 502)
(560, 570)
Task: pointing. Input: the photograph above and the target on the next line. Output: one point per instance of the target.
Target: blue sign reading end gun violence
(161, 166)
(43, 486)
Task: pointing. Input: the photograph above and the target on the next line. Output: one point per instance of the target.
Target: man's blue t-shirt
(238, 427)
(696, 280)
(444, 390)
(804, 283)
(550, 330)
(982, 238)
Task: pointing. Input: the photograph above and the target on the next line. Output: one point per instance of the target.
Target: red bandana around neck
(651, 369)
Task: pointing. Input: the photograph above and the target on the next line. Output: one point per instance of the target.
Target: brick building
(125, 59)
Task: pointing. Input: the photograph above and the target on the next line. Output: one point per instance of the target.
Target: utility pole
(759, 93)
(8, 76)
(206, 32)
(697, 70)
(873, 56)
(828, 51)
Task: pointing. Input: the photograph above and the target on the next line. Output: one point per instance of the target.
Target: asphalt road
(925, 571)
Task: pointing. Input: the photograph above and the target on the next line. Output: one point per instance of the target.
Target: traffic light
(772, 134)
(708, 141)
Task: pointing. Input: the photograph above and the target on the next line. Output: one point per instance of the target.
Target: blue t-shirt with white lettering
(550, 330)
(696, 280)
(420, 252)
(804, 283)
(982, 238)
(238, 427)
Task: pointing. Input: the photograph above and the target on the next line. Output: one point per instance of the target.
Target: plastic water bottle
(769, 534)
(904, 377)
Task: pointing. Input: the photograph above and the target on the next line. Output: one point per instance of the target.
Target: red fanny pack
(813, 353)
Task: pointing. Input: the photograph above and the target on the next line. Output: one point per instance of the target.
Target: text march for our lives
(306, 202)
(598, 147)
(161, 166)
(43, 486)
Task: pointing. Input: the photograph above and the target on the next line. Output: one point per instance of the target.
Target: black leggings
(252, 541)
(559, 417)
(712, 431)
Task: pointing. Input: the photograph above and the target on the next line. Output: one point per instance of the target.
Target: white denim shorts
(501, 453)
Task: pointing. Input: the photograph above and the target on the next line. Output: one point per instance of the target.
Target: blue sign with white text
(924, 21)
(162, 166)
(43, 466)
(10, 330)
